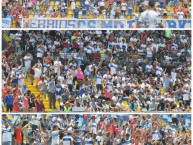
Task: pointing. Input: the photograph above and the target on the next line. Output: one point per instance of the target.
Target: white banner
(96, 23)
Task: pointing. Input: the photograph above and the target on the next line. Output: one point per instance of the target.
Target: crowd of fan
(100, 71)
(96, 129)
(90, 9)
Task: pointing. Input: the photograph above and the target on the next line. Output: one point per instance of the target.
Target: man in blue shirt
(76, 11)
(58, 91)
(9, 101)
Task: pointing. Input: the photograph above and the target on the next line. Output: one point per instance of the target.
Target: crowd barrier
(88, 23)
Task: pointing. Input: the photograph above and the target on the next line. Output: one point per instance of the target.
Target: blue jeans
(7, 143)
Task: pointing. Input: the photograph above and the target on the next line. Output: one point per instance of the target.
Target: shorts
(58, 97)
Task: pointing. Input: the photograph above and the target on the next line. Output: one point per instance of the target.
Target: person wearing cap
(150, 17)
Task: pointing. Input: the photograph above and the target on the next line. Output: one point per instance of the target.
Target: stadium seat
(126, 104)
(47, 15)
(79, 16)
(52, 3)
(170, 17)
(69, 16)
(162, 91)
(101, 16)
(42, 8)
(128, 17)
(55, 7)
(90, 16)
(59, 16)
(9, 117)
(78, 3)
(70, 12)
(31, 16)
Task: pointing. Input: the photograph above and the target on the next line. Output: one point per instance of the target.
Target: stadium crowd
(98, 71)
(91, 9)
(96, 129)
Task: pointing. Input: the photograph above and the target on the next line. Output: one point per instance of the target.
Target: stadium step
(33, 89)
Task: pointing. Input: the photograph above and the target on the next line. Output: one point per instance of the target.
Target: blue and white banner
(76, 23)
(177, 23)
(95, 23)
(6, 22)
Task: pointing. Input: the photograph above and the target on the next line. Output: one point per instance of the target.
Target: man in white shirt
(67, 140)
(99, 79)
(113, 67)
(159, 70)
(57, 66)
(99, 138)
(123, 45)
(148, 67)
(6, 134)
(40, 52)
(123, 8)
(180, 14)
(27, 61)
(21, 78)
(55, 136)
(150, 18)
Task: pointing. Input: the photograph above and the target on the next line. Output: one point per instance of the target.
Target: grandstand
(165, 121)
(80, 10)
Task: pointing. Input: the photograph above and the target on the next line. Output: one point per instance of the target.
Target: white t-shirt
(57, 65)
(55, 138)
(173, 74)
(123, 6)
(6, 134)
(73, 5)
(27, 60)
(21, 79)
(185, 95)
(38, 72)
(88, 141)
(113, 68)
(180, 15)
(40, 53)
(149, 52)
(99, 79)
(159, 70)
(100, 139)
(150, 19)
(67, 140)
(148, 68)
